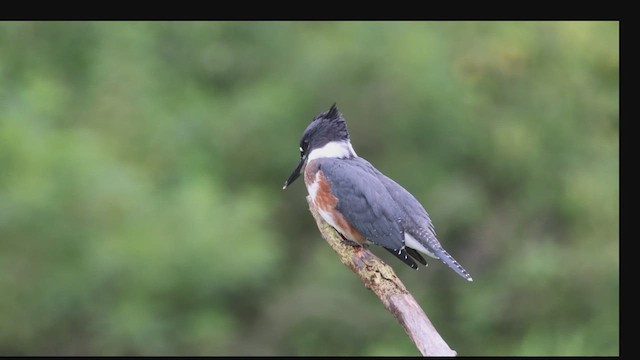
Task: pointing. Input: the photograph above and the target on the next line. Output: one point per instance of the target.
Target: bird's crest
(332, 114)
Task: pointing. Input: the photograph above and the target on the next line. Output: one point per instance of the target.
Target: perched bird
(359, 201)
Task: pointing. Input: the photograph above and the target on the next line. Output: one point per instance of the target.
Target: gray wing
(366, 204)
(364, 201)
(422, 228)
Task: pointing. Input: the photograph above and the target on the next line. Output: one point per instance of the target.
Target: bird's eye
(303, 147)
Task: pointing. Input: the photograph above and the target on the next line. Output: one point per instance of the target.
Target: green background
(141, 167)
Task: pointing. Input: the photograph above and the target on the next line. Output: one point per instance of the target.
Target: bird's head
(326, 136)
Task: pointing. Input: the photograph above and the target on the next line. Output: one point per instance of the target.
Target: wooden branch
(380, 278)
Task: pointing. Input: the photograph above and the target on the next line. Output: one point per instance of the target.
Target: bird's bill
(294, 175)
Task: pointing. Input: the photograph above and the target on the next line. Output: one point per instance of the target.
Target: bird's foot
(350, 242)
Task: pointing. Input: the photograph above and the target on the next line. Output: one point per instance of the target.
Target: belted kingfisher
(359, 201)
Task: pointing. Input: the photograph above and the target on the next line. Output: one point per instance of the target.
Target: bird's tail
(451, 262)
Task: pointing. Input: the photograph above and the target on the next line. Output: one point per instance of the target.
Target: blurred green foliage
(141, 209)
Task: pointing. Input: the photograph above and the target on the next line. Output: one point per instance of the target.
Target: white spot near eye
(300, 148)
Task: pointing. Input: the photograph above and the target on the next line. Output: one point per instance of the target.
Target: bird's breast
(325, 201)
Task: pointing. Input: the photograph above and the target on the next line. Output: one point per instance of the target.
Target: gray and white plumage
(379, 210)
